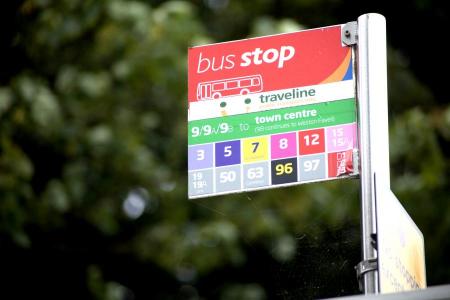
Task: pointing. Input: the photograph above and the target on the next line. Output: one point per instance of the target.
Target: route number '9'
(284, 169)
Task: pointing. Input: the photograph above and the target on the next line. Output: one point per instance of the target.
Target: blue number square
(228, 153)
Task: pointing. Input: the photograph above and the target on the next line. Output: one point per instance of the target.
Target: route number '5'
(284, 169)
(227, 151)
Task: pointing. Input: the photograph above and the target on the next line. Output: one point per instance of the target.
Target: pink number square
(283, 145)
(341, 138)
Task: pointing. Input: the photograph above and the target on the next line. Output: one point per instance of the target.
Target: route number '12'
(312, 139)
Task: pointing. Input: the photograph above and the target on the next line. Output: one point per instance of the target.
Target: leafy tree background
(93, 155)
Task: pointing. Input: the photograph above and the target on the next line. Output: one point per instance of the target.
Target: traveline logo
(255, 57)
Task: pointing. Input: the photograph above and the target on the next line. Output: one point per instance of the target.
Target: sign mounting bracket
(349, 34)
(364, 267)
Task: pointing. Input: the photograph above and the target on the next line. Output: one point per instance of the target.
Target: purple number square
(200, 157)
(228, 153)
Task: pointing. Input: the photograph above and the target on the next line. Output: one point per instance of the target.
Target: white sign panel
(401, 254)
(271, 111)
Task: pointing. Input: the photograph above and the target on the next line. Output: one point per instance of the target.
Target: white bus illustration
(229, 87)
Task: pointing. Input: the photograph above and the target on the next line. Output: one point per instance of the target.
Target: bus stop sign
(270, 111)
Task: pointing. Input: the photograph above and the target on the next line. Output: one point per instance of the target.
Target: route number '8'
(283, 143)
(284, 168)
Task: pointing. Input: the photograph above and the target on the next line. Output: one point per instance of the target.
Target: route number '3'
(200, 154)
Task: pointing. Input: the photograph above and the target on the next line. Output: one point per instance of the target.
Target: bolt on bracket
(349, 33)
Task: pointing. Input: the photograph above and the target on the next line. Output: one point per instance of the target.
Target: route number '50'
(228, 176)
(284, 169)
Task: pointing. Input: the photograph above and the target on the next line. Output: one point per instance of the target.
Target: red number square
(311, 141)
(340, 163)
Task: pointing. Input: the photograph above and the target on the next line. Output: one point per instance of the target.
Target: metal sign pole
(373, 137)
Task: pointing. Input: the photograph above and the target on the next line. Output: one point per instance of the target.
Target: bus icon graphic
(229, 87)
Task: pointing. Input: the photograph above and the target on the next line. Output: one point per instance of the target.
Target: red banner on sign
(268, 63)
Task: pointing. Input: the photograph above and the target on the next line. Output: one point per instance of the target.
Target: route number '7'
(255, 146)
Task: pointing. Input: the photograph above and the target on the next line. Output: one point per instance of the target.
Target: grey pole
(373, 133)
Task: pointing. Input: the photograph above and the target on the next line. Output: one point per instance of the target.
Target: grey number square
(228, 178)
(200, 182)
(312, 167)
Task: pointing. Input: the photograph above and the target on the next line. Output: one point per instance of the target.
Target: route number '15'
(284, 169)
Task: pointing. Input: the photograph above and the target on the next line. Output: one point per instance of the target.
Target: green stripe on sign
(272, 121)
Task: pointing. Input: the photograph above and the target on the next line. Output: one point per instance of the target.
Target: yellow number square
(255, 149)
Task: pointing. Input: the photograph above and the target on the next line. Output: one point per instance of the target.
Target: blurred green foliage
(94, 124)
